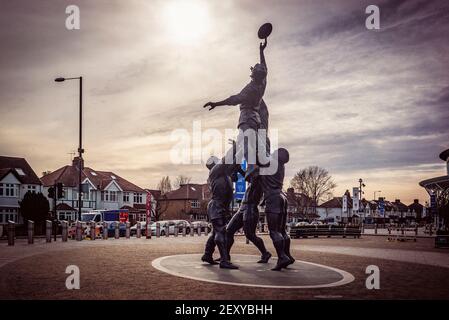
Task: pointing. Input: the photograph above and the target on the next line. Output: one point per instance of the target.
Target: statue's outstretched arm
(231, 101)
(262, 55)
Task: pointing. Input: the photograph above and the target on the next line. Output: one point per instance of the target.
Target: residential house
(416, 210)
(188, 202)
(105, 190)
(16, 179)
(299, 207)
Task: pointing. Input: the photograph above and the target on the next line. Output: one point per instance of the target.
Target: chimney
(77, 161)
(416, 201)
(397, 200)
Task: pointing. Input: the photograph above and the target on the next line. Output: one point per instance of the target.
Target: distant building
(396, 211)
(188, 202)
(332, 210)
(416, 209)
(300, 207)
(16, 179)
(106, 190)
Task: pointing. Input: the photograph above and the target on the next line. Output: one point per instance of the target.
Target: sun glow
(186, 21)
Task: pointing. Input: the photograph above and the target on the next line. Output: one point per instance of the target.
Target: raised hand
(263, 45)
(211, 105)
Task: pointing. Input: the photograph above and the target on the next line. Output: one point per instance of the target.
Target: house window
(32, 188)
(195, 204)
(109, 196)
(126, 197)
(8, 214)
(9, 190)
(137, 197)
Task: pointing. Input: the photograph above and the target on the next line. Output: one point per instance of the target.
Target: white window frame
(9, 187)
(195, 204)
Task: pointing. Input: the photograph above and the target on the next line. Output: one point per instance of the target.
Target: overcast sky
(360, 103)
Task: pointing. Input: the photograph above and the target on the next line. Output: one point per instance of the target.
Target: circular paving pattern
(300, 275)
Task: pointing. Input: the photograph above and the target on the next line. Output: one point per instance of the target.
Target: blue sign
(382, 206)
(240, 184)
(433, 204)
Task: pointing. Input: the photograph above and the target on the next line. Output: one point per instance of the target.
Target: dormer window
(20, 172)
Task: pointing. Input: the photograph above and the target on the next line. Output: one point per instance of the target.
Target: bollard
(128, 230)
(30, 232)
(48, 226)
(375, 228)
(199, 230)
(11, 232)
(206, 231)
(416, 231)
(260, 227)
(184, 230)
(64, 231)
(149, 231)
(79, 230)
(167, 230)
(247, 241)
(139, 231)
(176, 231)
(192, 230)
(158, 229)
(117, 230)
(344, 232)
(105, 230)
(92, 230)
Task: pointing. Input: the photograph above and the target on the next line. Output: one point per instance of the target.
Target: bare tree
(180, 180)
(164, 185)
(161, 207)
(315, 183)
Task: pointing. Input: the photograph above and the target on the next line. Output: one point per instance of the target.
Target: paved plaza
(169, 268)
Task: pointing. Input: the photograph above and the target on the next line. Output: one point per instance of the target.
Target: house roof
(416, 206)
(335, 202)
(155, 193)
(64, 207)
(68, 175)
(11, 164)
(190, 191)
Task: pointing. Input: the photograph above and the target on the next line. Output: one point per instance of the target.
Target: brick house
(188, 202)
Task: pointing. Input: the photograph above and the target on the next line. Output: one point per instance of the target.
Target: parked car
(201, 224)
(172, 224)
(143, 229)
(316, 223)
(302, 224)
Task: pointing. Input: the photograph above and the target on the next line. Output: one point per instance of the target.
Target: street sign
(433, 204)
(345, 203)
(381, 205)
(355, 199)
(240, 184)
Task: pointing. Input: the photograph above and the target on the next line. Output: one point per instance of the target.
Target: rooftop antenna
(72, 154)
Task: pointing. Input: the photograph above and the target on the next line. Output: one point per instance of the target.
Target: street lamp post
(362, 185)
(80, 147)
